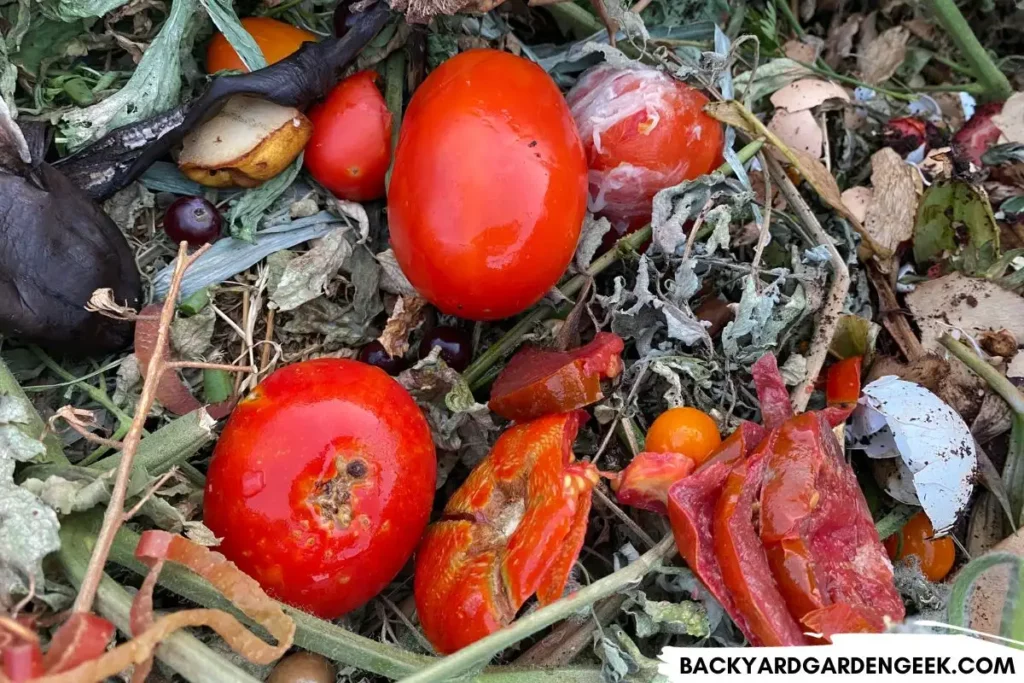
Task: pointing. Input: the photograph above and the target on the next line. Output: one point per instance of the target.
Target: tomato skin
(488, 191)
(684, 430)
(350, 149)
(276, 39)
(314, 436)
(643, 131)
(935, 555)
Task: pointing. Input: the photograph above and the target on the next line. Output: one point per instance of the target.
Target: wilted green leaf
(46, 39)
(154, 87)
(249, 209)
(955, 214)
(623, 661)
(70, 10)
(223, 15)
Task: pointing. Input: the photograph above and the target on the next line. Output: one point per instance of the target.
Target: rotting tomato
(489, 185)
(643, 131)
(350, 149)
(321, 484)
(684, 430)
(935, 555)
(539, 382)
(276, 40)
(513, 529)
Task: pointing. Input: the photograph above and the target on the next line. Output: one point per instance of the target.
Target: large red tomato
(489, 186)
(643, 131)
(350, 148)
(322, 483)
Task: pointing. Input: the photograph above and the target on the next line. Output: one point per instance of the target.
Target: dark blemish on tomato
(356, 469)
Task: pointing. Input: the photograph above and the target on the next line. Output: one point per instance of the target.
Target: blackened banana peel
(57, 246)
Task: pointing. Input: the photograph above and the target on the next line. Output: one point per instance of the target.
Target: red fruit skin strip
(978, 134)
(81, 638)
(771, 391)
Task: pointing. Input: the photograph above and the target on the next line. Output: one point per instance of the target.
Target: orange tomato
(350, 149)
(489, 186)
(684, 430)
(936, 555)
(276, 39)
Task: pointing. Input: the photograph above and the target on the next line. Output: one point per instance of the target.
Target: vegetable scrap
(448, 338)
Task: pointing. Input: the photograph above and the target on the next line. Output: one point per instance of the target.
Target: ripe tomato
(276, 39)
(684, 430)
(643, 131)
(488, 190)
(936, 555)
(350, 149)
(322, 483)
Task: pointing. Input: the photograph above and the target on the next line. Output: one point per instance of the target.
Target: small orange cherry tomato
(936, 555)
(489, 187)
(350, 149)
(843, 384)
(276, 39)
(684, 430)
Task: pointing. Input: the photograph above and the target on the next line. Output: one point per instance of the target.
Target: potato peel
(249, 141)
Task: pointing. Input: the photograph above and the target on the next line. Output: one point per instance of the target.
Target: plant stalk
(997, 86)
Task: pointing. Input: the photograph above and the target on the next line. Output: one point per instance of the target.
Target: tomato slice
(843, 618)
(744, 562)
(539, 382)
(771, 391)
(842, 389)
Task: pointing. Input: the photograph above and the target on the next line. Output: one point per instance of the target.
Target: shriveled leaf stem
(480, 653)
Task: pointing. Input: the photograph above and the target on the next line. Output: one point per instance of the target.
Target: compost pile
(372, 341)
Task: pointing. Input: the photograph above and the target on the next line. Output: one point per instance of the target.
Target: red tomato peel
(350, 149)
(22, 661)
(82, 638)
(540, 382)
(322, 483)
(642, 131)
(771, 391)
(646, 480)
(489, 186)
(512, 530)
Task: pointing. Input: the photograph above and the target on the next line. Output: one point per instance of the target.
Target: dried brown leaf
(405, 317)
(839, 43)
(857, 200)
(422, 11)
(970, 305)
(892, 213)
(800, 51)
(1011, 119)
(880, 58)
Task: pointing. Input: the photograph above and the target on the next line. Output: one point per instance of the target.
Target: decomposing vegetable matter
(512, 530)
(321, 484)
(642, 131)
(350, 149)
(485, 231)
(777, 528)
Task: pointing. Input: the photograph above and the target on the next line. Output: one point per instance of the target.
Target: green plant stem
(971, 88)
(181, 651)
(480, 653)
(9, 387)
(394, 93)
(787, 12)
(997, 86)
(995, 379)
(581, 23)
(894, 521)
(100, 451)
(479, 368)
(171, 445)
(94, 393)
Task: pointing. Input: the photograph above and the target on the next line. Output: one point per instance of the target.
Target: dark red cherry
(193, 220)
(456, 346)
(374, 354)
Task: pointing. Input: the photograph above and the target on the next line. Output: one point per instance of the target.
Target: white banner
(854, 658)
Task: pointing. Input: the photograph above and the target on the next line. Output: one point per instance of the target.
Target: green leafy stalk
(480, 653)
(894, 521)
(960, 595)
(508, 343)
(181, 651)
(171, 445)
(394, 90)
(997, 86)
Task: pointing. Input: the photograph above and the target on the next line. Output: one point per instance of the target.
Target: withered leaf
(879, 60)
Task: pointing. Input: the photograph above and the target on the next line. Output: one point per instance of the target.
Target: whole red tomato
(488, 191)
(350, 149)
(643, 131)
(322, 483)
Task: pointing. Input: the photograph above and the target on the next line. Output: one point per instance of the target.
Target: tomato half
(275, 38)
(322, 483)
(350, 149)
(489, 186)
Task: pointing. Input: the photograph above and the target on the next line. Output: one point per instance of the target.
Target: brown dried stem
(80, 420)
(115, 515)
(828, 316)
